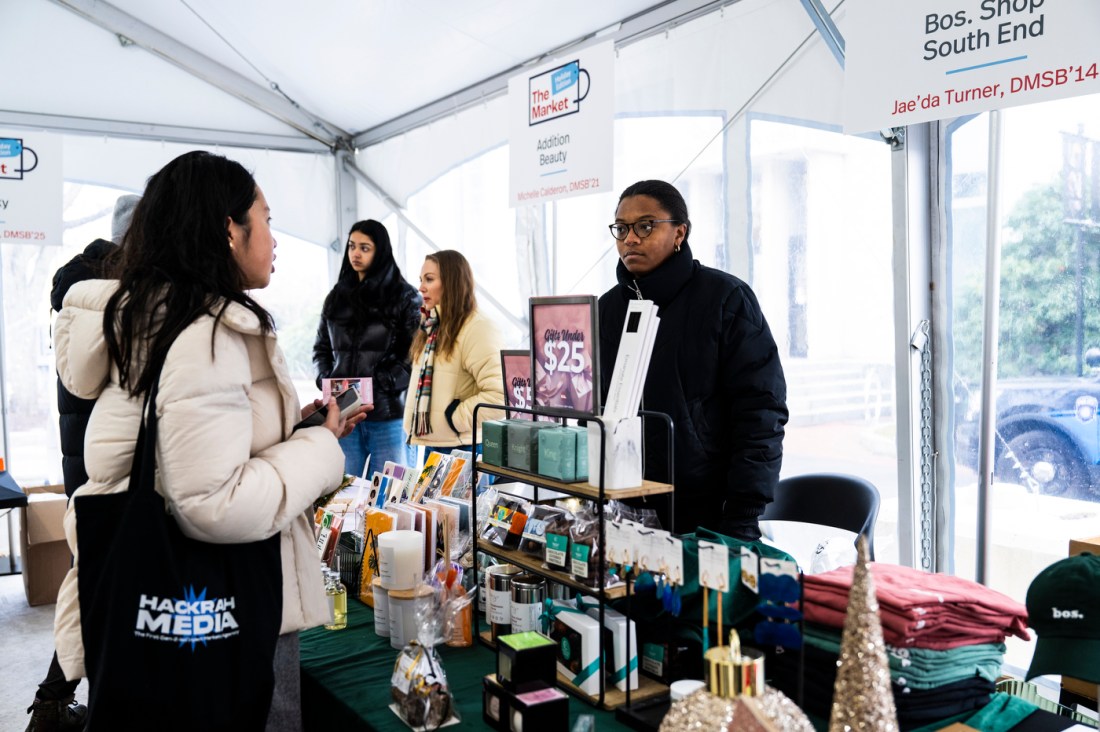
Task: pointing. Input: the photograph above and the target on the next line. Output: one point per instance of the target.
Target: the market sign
(560, 127)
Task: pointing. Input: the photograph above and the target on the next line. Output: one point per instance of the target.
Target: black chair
(828, 499)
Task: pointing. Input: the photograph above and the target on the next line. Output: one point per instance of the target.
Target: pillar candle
(400, 559)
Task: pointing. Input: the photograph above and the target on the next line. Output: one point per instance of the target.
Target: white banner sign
(561, 127)
(908, 62)
(31, 188)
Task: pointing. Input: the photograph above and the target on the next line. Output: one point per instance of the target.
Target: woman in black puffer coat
(367, 326)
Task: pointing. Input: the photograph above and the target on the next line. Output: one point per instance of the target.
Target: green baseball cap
(1063, 607)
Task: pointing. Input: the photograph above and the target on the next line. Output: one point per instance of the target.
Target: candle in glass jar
(400, 559)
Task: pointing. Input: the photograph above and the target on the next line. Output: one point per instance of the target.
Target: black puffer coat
(73, 411)
(715, 370)
(355, 340)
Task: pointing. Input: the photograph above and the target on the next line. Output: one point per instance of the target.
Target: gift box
(526, 661)
(578, 639)
(523, 444)
(494, 441)
(541, 710)
(558, 454)
(615, 625)
(582, 451)
(495, 709)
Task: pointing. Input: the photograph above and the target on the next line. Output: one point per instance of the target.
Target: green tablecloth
(346, 680)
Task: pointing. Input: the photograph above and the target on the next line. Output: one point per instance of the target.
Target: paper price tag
(616, 548)
(714, 566)
(780, 567)
(629, 532)
(675, 554)
(400, 679)
(647, 558)
(750, 569)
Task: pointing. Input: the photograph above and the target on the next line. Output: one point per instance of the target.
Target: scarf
(429, 323)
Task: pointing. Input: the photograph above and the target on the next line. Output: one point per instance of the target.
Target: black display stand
(648, 689)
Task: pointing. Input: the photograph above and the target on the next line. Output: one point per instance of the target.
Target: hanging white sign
(31, 188)
(560, 127)
(908, 62)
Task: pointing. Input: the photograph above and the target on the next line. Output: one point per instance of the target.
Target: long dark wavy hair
(459, 301)
(175, 263)
(380, 294)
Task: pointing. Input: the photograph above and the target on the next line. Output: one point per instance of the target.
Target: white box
(615, 622)
(622, 454)
(579, 644)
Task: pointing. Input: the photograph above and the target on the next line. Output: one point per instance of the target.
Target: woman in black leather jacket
(367, 326)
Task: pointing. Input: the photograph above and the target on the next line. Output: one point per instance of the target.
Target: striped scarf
(429, 323)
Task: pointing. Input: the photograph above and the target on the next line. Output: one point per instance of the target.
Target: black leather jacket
(715, 370)
(349, 347)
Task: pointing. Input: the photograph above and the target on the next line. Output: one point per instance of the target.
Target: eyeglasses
(641, 228)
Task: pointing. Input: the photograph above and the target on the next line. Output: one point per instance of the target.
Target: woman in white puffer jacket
(230, 466)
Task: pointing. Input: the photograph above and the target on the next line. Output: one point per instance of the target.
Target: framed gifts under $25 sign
(564, 354)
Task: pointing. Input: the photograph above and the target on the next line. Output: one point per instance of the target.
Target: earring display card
(714, 564)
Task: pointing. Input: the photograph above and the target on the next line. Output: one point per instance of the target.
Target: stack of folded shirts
(944, 641)
(920, 609)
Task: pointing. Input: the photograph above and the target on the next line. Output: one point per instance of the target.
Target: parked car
(1047, 434)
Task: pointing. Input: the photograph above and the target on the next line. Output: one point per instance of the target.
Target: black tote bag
(178, 634)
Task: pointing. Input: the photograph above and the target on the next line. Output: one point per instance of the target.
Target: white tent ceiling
(354, 64)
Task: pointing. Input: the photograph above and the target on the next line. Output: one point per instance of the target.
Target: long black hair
(175, 263)
(380, 293)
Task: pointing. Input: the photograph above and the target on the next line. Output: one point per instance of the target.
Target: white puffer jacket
(227, 461)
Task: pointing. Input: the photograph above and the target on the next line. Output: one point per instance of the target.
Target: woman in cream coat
(229, 466)
(456, 359)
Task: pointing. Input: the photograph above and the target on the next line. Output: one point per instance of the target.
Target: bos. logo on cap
(1063, 607)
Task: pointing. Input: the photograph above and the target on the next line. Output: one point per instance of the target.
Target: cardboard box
(46, 557)
(1076, 686)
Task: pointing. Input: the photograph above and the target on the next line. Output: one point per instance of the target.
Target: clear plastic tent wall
(740, 108)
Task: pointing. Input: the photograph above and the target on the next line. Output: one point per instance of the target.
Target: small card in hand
(348, 402)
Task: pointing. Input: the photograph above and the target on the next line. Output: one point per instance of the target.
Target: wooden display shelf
(534, 565)
(613, 698)
(582, 489)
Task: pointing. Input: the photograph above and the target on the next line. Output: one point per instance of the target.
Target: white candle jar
(400, 559)
(381, 608)
(403, 605)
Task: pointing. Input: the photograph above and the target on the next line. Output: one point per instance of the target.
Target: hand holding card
(348, 402)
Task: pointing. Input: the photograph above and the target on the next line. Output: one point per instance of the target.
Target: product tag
(579, 566)
(653, 658)
(750, 569)
(535, 530)
(616, 548)
(675, 555)
(400, 679)
(780, 568)
(629, 531)
(714, 565)
(557, 547)
(500, 610)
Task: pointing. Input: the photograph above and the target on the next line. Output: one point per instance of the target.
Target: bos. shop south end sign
(909, 62)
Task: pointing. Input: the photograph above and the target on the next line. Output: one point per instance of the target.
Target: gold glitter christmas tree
(861, 697)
